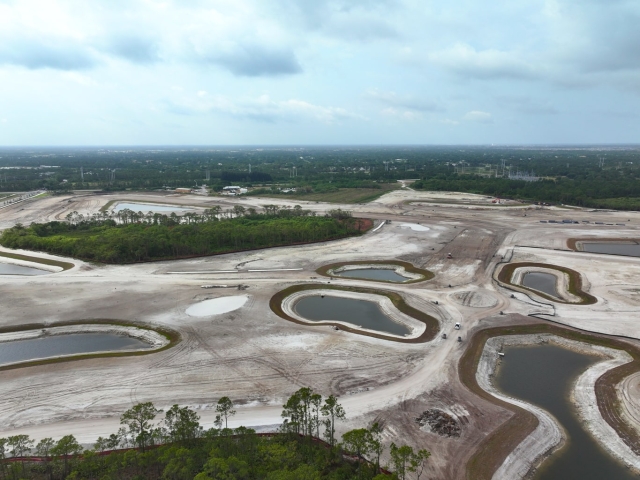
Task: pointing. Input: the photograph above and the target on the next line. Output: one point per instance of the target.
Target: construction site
(461, 282)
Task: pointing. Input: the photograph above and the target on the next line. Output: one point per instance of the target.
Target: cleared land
(341, 195)
(258, 358)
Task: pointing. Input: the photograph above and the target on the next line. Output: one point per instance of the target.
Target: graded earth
(232, 343)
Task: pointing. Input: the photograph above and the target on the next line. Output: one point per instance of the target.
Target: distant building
(233, 190)
(182, 190)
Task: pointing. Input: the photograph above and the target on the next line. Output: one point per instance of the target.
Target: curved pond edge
(414, 327)
(171, 338)
(505, 277)
(491, 454)
(576, 244)
(425, 275)
(432, 325)
(29, 261)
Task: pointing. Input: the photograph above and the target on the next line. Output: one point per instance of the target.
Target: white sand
(415, 227)
(216, 306)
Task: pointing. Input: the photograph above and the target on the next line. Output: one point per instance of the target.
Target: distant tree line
(594, 177)
(179, 448)
(608, 190)
(245, 177)
(127, 237)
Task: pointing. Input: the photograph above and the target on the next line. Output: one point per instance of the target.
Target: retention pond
(72, 344)
(9, 269)
(360, 313)
(544, 375)
(380, 274)
(628, 249)
(543, 282)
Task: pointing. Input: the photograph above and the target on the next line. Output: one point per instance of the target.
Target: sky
(319, 72)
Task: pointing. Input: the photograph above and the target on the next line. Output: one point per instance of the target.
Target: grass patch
(575, 282)
(44, 261)
(324, 270)
(108, 205)
(171, 335)
(342, 195)
(432, 324)
(492, 452)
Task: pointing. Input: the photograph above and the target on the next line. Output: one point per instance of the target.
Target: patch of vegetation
(44, 261)
(178, 448)
(575, 281)
(171, 335)
(492, 452)
(130, 237)
(426, 274)
(432, 324)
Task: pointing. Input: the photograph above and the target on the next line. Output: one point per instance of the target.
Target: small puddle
(360, 313)
(544, 375)
(10, 269)
(383, 274)
(543, 282)
(72, 344)
(628, 249)
(143, 207)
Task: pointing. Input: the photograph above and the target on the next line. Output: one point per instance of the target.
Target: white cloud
(526, 104)
(399, 113)
(489, 63)
(80, 79)
(261, 108)
(396, 101)
(478, 116)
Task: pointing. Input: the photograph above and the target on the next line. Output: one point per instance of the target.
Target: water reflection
(543, 375)
(53, 346)
(360, 313)
(543, 282)
(10, 269)
(381, 274)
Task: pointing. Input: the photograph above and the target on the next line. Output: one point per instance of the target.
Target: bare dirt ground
(258, 358)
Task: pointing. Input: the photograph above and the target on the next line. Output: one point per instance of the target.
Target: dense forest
(606, 190)
(599, 177)
(127, 236)
(178, 448)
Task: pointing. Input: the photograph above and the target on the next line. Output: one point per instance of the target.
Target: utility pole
(81, 175)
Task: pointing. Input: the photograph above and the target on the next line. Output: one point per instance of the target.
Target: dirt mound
(440, 422)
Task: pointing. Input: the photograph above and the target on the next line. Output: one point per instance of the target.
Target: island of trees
(128, 237)
(178, 448)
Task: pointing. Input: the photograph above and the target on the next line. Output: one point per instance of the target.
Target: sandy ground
(216, 306)
(258, 359)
